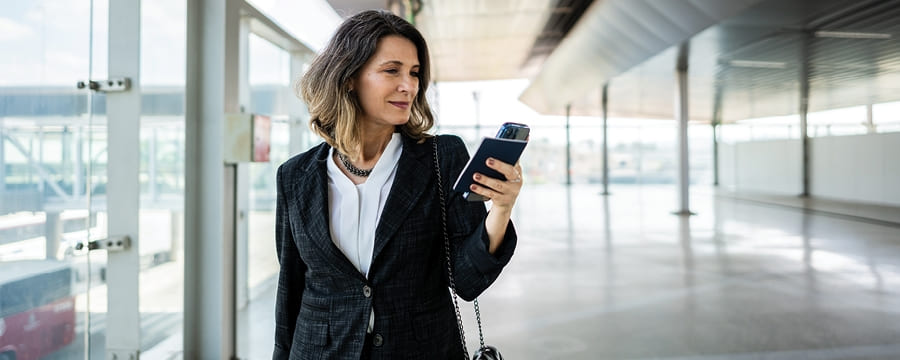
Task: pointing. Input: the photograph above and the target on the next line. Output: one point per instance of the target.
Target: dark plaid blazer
(323, 302)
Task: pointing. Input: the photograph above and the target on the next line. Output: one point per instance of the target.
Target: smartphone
(509, 130)
(513, 131)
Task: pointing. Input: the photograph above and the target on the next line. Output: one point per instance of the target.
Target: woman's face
(388, 83)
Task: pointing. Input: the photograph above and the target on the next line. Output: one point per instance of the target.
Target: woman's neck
(374, 142)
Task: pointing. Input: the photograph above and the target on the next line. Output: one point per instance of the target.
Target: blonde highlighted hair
(334, 109)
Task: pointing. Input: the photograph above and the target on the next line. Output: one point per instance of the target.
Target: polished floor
(620, 277)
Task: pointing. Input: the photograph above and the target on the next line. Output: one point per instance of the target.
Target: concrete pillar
(30, 178)
(52, 233)
(568, 148)
(804, 109)
(681, 114)
(2, 160)
(716, 122)
(870, 122)
(604, 104)
(40, 186)
(242, 186)
(212, 91)
(151, 167)
(78, 183)
(176, 248)
(66, 149)
(123, 109)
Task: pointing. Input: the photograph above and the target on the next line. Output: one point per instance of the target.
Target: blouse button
(367, 291)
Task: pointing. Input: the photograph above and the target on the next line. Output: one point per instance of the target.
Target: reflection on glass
(161, 177)
(52, 178)
(886, 117)
(270, 89)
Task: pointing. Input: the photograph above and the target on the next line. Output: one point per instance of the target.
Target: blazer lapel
(314, 213)
(414, 173)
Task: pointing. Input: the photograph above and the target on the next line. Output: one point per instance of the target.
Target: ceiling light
(851, 35)
(758, 64)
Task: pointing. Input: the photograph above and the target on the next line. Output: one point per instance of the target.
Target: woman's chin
(400, 122)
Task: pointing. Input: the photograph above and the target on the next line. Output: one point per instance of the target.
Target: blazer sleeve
(474, 267)
(291, 277)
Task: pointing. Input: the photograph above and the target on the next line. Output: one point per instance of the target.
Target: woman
(358, 224)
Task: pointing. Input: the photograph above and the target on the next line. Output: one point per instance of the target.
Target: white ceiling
(473, 39)
(748, 51)
(754, 60)
(481, 40)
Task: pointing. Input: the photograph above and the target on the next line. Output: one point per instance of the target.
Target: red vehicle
(37, 308)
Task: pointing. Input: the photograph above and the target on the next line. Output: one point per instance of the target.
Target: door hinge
(106, 86)
(115, 243)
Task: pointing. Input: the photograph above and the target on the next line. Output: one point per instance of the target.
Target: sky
(46, 42)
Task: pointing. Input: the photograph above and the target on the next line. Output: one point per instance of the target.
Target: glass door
(52, 179)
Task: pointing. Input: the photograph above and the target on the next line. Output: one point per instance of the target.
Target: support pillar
(40, 159)
(30, 178)
(2, 161)
(681, 114)
(568, 148)
(870, 122)
(123, 111)
(212, 91)
(715, 139)
(716, 121)
(151, 167)
(66, 149)
(242, 177)
(804, 109)
(52, 233)
(78, 183)
(604, 103)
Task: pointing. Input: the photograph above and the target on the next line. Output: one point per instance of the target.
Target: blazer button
(377, 340)
(367, 291)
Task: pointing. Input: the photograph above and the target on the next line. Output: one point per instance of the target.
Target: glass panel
(587, 150)
(161, 214)
(270, 79)
(657, 152)
(313, 22)
(484, 104)
(544, 160)
(52, 150)
(700, 150)
(846, 121)
(886, 117)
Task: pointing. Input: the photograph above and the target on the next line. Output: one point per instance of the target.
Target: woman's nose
(407, 84)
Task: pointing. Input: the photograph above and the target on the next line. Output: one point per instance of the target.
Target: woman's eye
(414, 73)
(391, 71)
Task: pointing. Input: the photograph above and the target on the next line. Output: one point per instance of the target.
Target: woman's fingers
(506, 169)
(494, 184)
(502, 193)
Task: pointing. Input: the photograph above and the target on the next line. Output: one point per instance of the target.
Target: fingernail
(490, 161)
(473, 187)
(477, 176)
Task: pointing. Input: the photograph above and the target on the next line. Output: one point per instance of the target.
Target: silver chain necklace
(353, 169)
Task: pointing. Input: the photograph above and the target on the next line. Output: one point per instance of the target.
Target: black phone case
(505, 150)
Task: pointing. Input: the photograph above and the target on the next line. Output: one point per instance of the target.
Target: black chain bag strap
(485, 352)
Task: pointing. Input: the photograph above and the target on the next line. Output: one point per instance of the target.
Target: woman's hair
(325, 87)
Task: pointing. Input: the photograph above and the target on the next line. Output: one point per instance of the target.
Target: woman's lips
(400, 104)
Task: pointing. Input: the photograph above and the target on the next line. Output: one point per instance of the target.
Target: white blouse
(355, 209)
